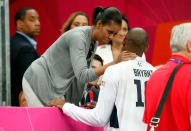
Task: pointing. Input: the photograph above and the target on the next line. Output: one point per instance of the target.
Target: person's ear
(188, 46)
(99, 24)
(19, 24)
(146, 48)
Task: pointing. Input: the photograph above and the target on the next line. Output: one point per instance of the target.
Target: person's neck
(184, 54)
(93, 34)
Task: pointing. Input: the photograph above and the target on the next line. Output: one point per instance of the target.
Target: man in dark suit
(23, 49)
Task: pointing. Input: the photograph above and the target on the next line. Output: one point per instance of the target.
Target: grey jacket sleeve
(77, 46)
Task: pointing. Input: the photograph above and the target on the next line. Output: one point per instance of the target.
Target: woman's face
(120, 36)
(80, 20)
(107, 32)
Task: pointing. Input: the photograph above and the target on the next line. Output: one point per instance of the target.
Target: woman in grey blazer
(64, 69)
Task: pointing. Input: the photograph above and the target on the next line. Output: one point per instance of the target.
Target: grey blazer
(62, 70)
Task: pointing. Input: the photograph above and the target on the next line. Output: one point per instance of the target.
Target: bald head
(136, 41)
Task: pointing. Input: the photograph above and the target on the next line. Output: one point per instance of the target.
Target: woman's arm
(124, 56)
(99, 116)
(77, 49)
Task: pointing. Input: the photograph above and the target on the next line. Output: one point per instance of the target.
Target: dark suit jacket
(22, 55)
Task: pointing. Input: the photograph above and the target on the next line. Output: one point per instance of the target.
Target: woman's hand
(58, 102)
(125, 56)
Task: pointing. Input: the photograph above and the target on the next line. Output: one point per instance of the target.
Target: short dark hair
(106, 15)
(136, 40)
(98, 58)
(20, 14)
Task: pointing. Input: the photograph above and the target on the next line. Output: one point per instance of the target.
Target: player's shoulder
(149, 65)
(117, 68)
(131, 64)
(113, 69)
(143, 61)
(128, 63)
(136, 63)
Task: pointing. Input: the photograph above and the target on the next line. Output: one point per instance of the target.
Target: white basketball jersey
(121, 98)
(131, 78)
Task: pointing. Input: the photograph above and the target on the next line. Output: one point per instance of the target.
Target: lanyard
(176, 60)
(155, 120)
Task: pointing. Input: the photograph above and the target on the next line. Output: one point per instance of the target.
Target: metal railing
(5, 97)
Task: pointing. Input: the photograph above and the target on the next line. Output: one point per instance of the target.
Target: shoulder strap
(155, 120)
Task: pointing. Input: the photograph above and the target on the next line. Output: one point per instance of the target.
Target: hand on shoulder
(125, 56)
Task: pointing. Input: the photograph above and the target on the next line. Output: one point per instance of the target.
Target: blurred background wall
(156, 17)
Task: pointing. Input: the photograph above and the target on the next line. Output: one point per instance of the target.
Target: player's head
(136, 41)
(180, 37)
